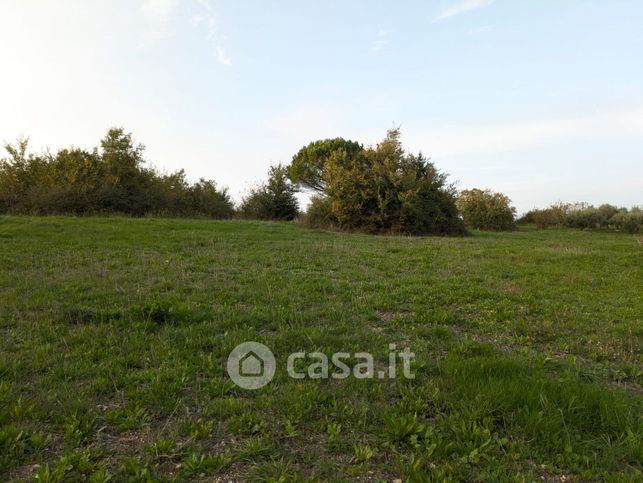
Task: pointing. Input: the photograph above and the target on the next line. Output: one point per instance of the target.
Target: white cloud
(452, 140)
(158, 16)
(196, 20)
(460, 8)
(161, 8)
(207, 20)
(380, 42)
(483, 29)
(306, 122)
(205, 4)
(222, 57)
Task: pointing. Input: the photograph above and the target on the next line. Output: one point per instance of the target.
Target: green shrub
(527, 218)
(273, 200)
(628, 221)
(319, 213)
(605, 213)
(548, 217)
(486, 210)
(205, 199)
(586, 216)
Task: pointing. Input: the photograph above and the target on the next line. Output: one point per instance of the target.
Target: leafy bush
(109, 179)
(605, 213)
(319, 213)
(628, 221)
(527, 218)
(205, 199)
(545, 218)
(586, 218)
(273, 200)
(590, 217)
(486, 210)
(384, 189)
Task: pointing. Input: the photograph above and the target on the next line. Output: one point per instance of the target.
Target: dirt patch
(127, 442)
(387, 316)
(629, 386)
(512, 289)
(23, 473)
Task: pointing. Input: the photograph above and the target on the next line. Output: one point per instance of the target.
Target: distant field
(116, 332)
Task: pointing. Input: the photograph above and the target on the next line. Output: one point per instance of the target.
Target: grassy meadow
(115, 334)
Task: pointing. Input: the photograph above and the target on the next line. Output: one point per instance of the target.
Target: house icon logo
(251, 365)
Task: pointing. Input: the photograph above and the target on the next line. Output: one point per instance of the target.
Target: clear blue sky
(542, 100)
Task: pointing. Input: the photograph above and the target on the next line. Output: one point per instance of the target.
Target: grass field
(115, 335)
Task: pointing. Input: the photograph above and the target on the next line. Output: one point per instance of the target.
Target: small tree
(486, 210)
(273, 200)
(127, 186)
(628, 221)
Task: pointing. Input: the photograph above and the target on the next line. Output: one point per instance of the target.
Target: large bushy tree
(385, 189)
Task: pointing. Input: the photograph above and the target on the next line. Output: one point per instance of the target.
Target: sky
(541, 100)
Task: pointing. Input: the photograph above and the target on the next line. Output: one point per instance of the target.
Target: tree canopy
(308, 166)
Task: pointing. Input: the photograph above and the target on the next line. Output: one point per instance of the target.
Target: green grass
(115, 333)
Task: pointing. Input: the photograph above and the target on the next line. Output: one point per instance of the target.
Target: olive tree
(486, 210)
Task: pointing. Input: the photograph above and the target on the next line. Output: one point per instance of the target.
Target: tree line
(585, 216)
(375, 189)
(111, 178)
